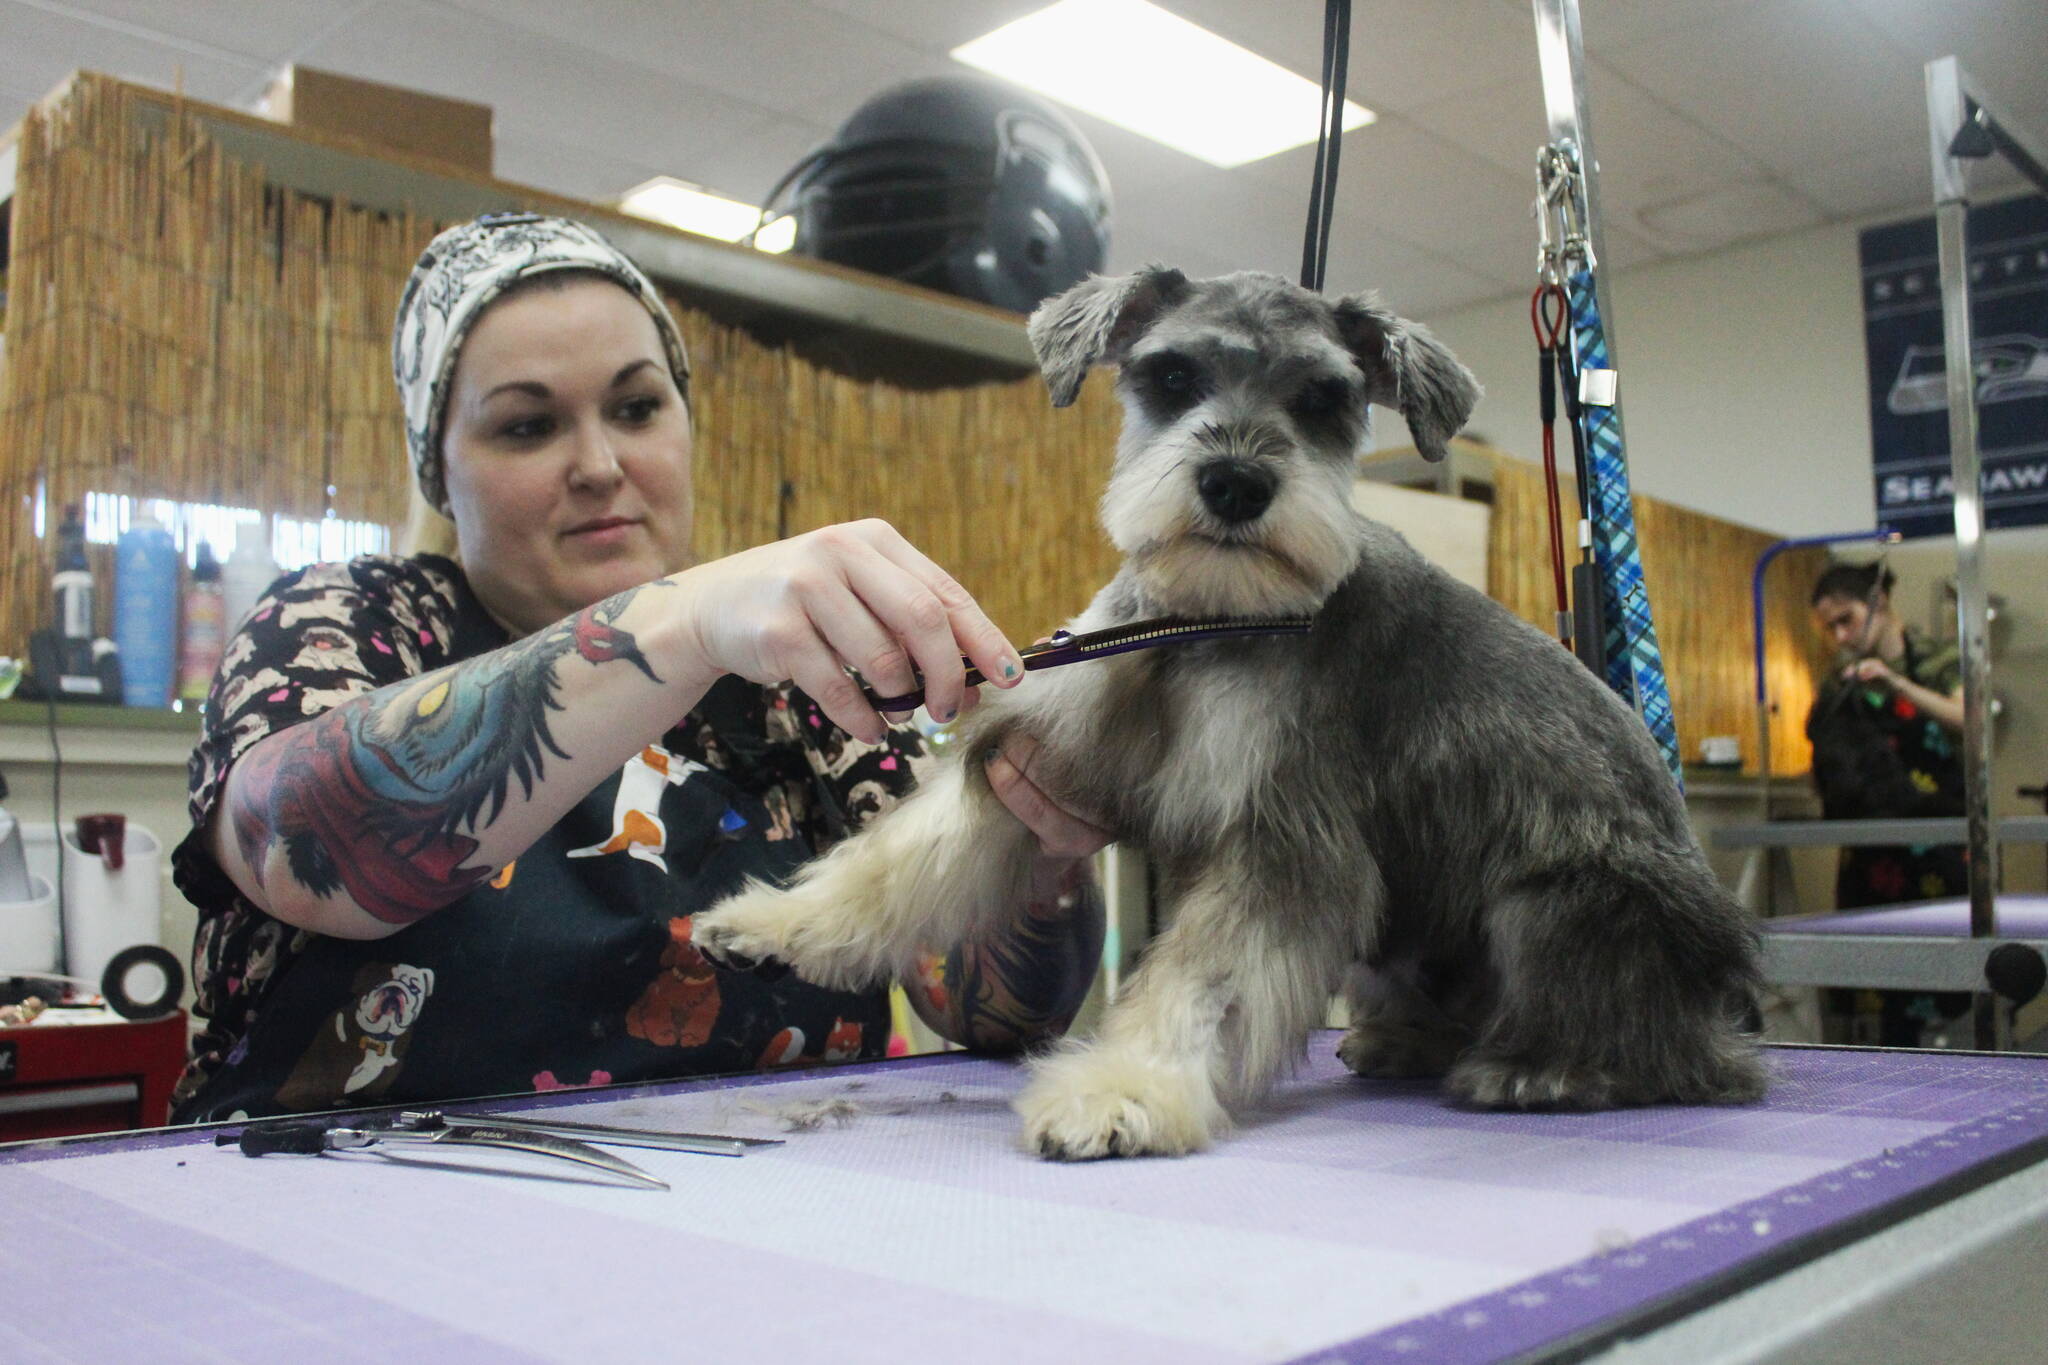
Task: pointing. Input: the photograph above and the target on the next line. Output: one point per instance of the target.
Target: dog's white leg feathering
(1221, 1005)
(931, 873)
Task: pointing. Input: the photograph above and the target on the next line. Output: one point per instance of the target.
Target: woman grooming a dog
(452, 815)
(1885, 731)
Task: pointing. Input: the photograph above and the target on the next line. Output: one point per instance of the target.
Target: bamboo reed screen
(177, 327)
(1698, 571)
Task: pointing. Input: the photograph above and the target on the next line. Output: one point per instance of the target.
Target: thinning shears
(1064, 648)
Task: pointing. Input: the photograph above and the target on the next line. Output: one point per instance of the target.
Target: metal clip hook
(1560, 187)
(1546, 246)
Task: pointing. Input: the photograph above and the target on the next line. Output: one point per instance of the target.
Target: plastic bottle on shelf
(146, 612)
(205, 630)
(71, 585)
(248, 571)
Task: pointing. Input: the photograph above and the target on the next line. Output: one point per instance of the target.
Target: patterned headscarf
(457, 277)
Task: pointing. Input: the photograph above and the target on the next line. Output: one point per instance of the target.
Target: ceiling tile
(1232, 224)
(2003, 44)
(1650, 153)
(1792, 82)
(1623, 247)
(934, 26)
(263, 33)
(1892, 178)
(40, 49)
(1606, 24)
(1412, 280)
(1402, 54)
(562, 92)
(747, 165)
(1501, 124)
(1727, 214)
(778, 55)
(1423, 188)
(530, 157)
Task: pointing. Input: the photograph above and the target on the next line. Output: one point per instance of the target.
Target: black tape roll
(114, 982)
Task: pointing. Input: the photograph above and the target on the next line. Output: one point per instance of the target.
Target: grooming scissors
(414, 1129)
(1064, 648)
(708, 1144)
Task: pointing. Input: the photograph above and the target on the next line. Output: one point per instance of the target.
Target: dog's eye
(1169, 384)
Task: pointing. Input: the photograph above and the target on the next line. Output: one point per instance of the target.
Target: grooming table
(1348, 1221)
(1765, 883)
(1925, 946)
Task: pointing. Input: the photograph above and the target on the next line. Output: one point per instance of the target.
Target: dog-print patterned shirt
(573, 966)
(1876, 755)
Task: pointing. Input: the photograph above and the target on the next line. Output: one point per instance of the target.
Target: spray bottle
(146, 612)
(199, 645)
(248, 571)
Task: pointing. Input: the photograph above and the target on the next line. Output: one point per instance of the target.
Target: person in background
(1886, 731)
(452, 815)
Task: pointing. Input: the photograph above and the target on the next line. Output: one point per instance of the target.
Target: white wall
(1743, 385)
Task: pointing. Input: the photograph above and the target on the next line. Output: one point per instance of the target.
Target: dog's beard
(1284, 564)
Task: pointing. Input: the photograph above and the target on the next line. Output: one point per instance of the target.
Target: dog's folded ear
(1408, 370)
(1096, 321)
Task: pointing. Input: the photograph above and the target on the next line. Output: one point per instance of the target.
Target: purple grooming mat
(1346, 1221)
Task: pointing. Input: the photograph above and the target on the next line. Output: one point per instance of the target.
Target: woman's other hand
(858, 595)
(1871, 670)
(1063, 834)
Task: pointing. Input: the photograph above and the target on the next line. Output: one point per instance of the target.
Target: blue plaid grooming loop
(1635, 666)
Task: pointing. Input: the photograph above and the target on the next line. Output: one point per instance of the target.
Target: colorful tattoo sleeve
(381, 796)
(1025, 985)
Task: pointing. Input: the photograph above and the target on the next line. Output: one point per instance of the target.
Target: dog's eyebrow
(1312, 365)
(1196, 345)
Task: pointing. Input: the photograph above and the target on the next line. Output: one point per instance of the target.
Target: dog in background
(1423, 799)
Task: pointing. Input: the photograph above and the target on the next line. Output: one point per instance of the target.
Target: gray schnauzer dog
(1423, 799)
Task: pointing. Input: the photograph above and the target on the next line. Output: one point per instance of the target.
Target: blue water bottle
(146, 612)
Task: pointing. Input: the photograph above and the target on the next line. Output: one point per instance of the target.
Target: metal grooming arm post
(1561, 56)
(1964, 126)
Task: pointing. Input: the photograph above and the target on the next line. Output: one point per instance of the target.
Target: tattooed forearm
(1025, 985)
(381, 796)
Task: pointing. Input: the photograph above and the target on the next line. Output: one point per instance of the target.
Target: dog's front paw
(745, 933)
(1083, 1106)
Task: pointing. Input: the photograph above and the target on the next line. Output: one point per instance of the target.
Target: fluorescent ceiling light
(1160, 76)
(695, 209)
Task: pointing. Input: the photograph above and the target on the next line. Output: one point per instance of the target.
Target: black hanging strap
(1322, 194)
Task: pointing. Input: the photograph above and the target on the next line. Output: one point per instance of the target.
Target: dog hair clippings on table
(1064, 648)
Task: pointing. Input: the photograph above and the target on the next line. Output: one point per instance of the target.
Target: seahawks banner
(1909, 384)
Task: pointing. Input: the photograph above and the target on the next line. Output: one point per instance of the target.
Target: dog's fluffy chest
(1172, 747)
(1225, 735)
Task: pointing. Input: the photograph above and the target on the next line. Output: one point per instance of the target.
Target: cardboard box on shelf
(455, 131)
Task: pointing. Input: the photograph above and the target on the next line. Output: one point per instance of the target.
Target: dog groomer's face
(568, 451)
(1242, 414)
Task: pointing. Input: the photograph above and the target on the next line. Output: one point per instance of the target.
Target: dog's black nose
(1235, 490)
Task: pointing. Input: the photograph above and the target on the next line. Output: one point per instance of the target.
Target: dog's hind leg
(1221, 1004)
(1621, 982)
(931, 873)
(1397, 1030)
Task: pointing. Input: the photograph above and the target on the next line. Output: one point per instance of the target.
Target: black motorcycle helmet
(960, 184)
